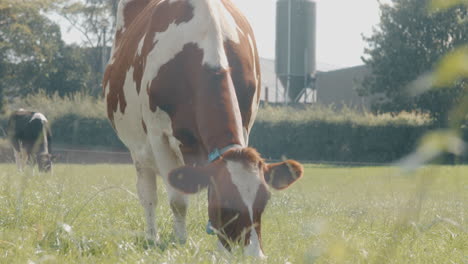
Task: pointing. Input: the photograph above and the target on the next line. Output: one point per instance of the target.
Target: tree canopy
(408, 42)
(33, 56)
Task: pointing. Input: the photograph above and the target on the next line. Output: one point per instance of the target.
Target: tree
(28, 42)
(33, 56)
(408, 43)
(95, 20)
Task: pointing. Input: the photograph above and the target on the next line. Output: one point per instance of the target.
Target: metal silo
(295, 44)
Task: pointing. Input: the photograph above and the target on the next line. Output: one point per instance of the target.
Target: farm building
(333, 86)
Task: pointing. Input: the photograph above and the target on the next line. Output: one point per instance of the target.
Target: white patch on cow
(40, 117)
(166, 148)
(247, 181)
(246, 137)
(254, 107)
(120, 19)
(106, 90)
(44, 121)
(210, 26)
(238, 116)
(228, 24)
(44, 134)
(140, 46)
(119, 25)
(128, 125)
(254, 249)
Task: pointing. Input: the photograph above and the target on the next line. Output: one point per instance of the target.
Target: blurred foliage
(315, 133)
(453, 67)
(437, 5)
(33, 56)
(55, 106)
(95, 20)
(344, 114)
(407, 44)
(450, 70)
(307, 133)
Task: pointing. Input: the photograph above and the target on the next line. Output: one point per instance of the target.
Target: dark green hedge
(325, 141)
(315, 140)
(3, 126)
(89, 132)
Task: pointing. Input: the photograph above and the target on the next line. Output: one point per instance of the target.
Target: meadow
(91, 214)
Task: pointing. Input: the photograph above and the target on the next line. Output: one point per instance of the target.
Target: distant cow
(29, 134)
(182, 88)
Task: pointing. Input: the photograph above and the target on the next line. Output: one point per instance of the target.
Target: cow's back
(153, 81)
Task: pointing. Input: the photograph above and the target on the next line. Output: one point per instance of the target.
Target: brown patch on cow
(282, 174)
(245, 155)
(260, 203)
(144, 126)
(154, 17)
(227, 212)
(170, 82)
(241, 61)
(132, 10)
(213, 122)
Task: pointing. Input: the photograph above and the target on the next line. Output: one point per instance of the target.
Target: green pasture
(91, 214)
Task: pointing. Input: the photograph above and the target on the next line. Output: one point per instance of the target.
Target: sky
(340, 25)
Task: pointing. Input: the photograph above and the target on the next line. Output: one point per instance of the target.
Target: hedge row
(315, 140)
(344, 142)
(91, 132)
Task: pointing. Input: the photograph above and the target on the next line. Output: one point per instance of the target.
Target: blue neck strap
(216, 153)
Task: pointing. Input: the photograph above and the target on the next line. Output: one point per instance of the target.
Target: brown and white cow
(182, 89)
(29, 134)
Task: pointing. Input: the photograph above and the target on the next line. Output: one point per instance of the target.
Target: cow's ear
(281, 175)
(190, 179)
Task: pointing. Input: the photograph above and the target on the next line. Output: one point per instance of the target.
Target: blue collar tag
(216, 153)
(209, 228)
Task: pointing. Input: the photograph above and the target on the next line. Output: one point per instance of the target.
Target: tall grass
(90, 214)
(334, 115)
(55, 106)
(88, 106)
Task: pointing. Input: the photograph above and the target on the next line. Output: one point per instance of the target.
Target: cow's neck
(217, 110)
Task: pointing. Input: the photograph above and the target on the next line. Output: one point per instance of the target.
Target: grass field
(90, 214)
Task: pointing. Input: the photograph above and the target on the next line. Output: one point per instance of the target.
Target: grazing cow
(29, 134)
(182, 87)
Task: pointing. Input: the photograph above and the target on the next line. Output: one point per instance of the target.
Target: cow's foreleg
(179, 204)
(18, 160)
(168, 157)
(22, 155)
(146, 186)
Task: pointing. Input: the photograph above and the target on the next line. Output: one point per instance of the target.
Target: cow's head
(237, 193)
(44, 161)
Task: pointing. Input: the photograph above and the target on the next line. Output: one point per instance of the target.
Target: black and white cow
(30, 136)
